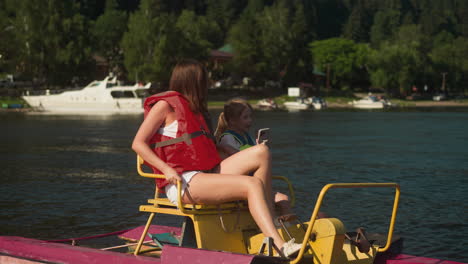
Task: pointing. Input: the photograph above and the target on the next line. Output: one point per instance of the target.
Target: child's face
(244, 121)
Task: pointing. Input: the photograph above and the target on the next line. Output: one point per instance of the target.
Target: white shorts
(171, 189)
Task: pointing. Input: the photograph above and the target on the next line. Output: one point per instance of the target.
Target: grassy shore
(11, 100)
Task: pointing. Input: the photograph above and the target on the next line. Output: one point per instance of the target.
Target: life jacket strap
(187, 138)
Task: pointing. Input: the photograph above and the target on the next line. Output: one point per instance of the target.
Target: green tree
(9, 46)
(437, 16)
(386, 23)
(244, 37)
(461, 12)
(400, 63)
(330, 15)
(53, 44)
(282, 32)
(450, 56)
(224, 14)
(358, 25)
(146, 32)
(108, 31)
(155, 41)
(199, 34)
(270, 42)
(343, 56)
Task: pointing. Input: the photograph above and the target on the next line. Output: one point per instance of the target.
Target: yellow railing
(140, 163)
(350, 185)
(292, 195)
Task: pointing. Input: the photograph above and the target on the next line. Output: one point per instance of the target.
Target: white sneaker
(290, 248)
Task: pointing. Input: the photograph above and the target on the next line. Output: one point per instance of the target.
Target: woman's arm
(153, 121)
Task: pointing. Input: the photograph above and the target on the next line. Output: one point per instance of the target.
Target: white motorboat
(299, 104)
(98, 97)
(316, 102)
(371, 102)
(267, 104)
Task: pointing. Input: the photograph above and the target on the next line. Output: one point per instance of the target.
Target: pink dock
(21, 250)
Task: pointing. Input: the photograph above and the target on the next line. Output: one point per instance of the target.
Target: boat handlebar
(351, 185)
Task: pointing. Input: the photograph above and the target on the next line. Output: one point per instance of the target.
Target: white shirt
(170, 130)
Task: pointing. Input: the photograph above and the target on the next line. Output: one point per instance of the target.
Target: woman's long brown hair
(190, 78)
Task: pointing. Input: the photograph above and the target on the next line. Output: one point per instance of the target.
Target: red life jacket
(192, 149)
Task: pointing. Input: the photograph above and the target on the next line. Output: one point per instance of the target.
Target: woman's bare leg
(256, 159)
(224, 188)
(283, 205)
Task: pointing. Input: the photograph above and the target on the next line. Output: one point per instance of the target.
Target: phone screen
(263, 135)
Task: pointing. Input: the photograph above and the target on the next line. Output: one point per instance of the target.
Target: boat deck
(21, 250)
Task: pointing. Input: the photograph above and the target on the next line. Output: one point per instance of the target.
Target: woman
(175, 122)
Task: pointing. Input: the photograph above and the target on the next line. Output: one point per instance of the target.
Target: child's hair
(190, 78)
(232, 110)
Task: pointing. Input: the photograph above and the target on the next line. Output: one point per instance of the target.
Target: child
(232, 135)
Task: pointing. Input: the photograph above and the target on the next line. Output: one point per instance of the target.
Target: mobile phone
(263, 135)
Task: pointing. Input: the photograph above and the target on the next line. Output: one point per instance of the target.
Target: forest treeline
(391, 44)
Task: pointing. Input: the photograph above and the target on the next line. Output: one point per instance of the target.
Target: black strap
(187, 138)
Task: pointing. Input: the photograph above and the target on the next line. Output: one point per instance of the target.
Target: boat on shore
(267, 104)
(298, 104)
(371, 102)
(304, 103)
(316, 102)
(98, 97)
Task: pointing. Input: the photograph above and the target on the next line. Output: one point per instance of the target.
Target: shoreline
(409, 105)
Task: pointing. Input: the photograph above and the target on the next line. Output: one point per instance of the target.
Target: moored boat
(302, 103)
(98, 97)
(267, 104)
(371, 102)
(316, 102)
(298, 104)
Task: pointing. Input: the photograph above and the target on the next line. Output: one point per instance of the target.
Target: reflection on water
(69, 176)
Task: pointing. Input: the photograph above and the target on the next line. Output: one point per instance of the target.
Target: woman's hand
(171, 175)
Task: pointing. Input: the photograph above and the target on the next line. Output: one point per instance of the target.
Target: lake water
(71, 176)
